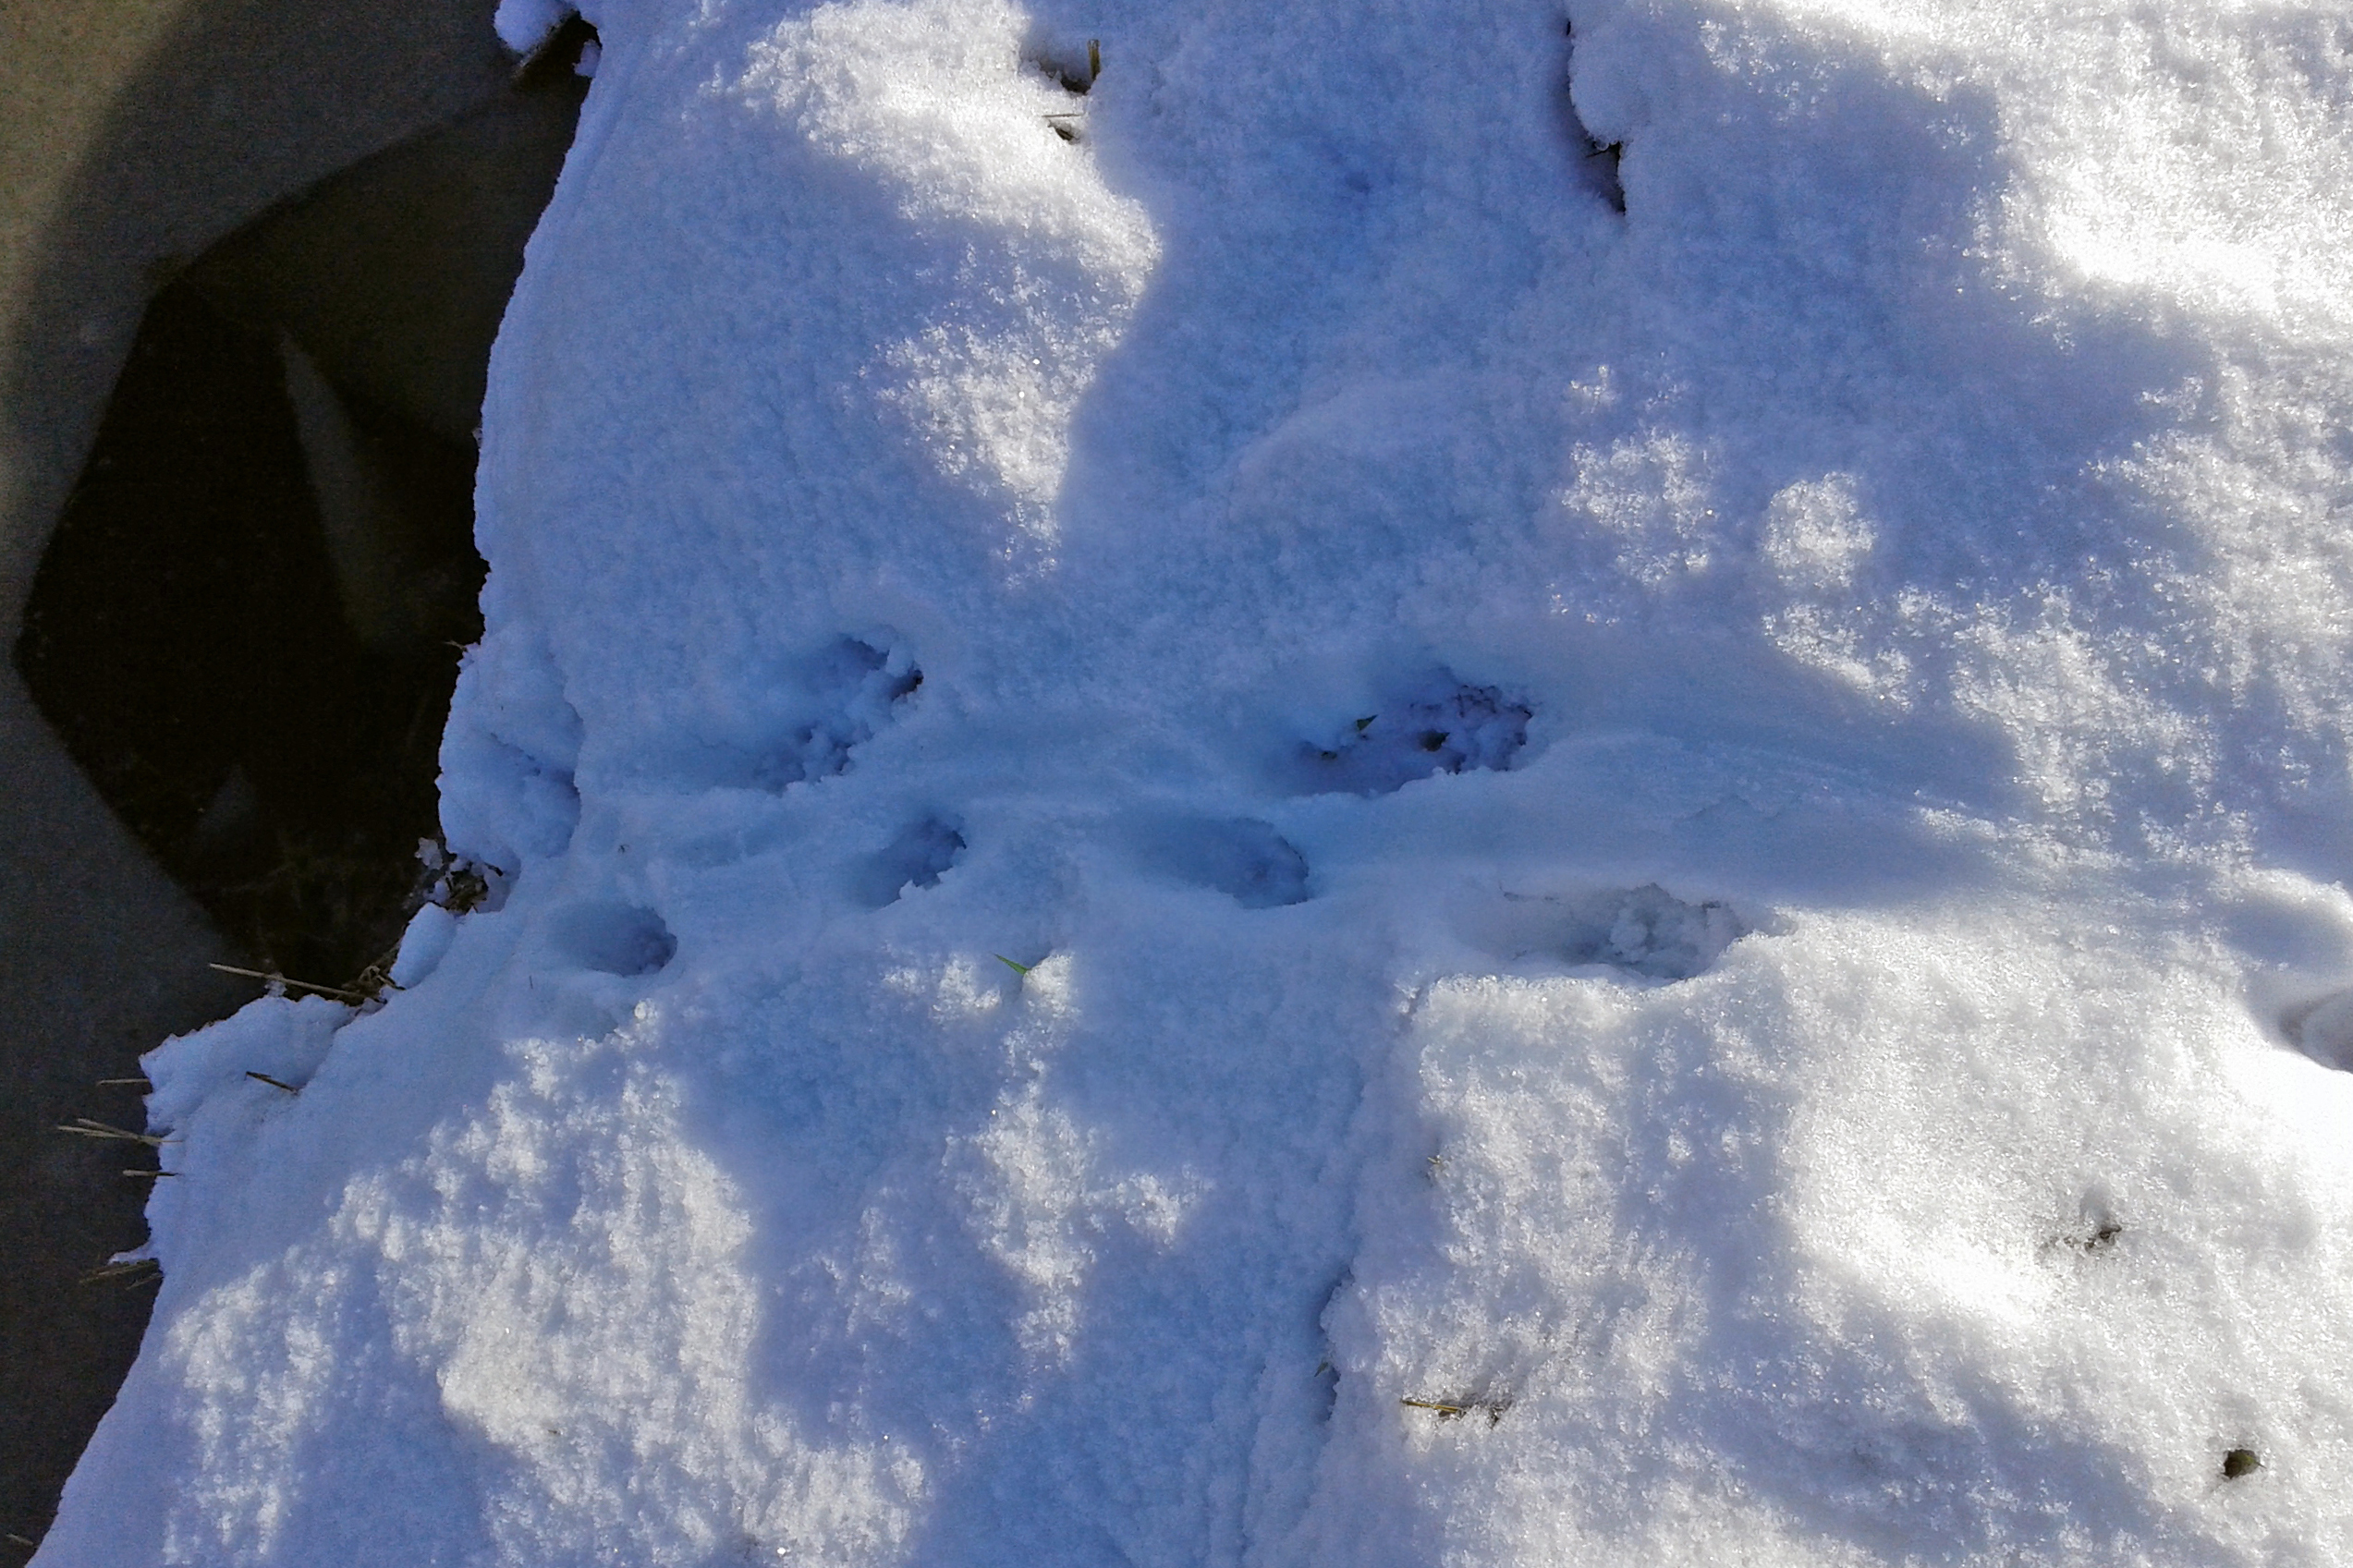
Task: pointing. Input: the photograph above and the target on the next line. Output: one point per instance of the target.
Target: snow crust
(1226, 828)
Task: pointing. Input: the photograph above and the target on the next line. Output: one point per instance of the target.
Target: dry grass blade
(85, 1128)
(1448, 1410)
(137, 1271)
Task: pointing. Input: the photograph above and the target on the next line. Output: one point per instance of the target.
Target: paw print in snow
(1446, 727)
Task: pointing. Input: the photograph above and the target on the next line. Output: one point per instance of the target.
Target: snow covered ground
(1230, 829)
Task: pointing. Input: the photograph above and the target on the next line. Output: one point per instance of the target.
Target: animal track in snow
(857, 687)
(1446, 726)
(914, 859)
(1644, 931)
(1241, 857)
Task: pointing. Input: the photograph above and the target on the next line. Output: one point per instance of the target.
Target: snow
(523, 25)
(1221, 828)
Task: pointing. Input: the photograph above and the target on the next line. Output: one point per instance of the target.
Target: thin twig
(273, 1083)
(337, 991)
(125, 1083)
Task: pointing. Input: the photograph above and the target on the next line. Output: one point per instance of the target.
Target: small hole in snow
(614, 939)
(2240, 1461)
(1074, 69)
(1072, 65)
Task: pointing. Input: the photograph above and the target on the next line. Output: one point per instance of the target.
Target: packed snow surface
(1436, 785)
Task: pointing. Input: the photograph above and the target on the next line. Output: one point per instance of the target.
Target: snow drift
(1434, 784)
